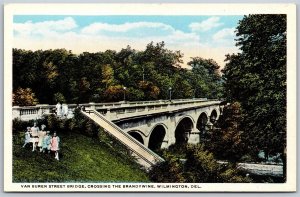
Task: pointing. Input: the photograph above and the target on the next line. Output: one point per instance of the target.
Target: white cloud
(102, 36)
(224, 34)
(98, 28)
(54, 33)
(44, 28)
(206, 25)
(224, 37)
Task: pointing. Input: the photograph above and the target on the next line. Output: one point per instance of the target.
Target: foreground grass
(82, 159)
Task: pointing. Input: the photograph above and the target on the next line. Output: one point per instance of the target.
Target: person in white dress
(41, 135)
(34, 136)
(58, 109)
(65, 110)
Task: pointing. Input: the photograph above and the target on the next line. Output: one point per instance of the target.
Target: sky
(195, 36)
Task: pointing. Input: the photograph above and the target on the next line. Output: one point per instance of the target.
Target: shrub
(199, 166)
(169, 171)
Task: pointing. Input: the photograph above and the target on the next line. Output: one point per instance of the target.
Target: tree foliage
(60, 75)
(24, 97)
(197, 166)
(256, 77)
(227, 135)
(205, 78)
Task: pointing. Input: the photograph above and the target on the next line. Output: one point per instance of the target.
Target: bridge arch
(136, 134)
(157, 136)
(183, 130)
(213, 116)
(202, 121)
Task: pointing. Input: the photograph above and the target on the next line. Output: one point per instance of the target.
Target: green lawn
(83, 159)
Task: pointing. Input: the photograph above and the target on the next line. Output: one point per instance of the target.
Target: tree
(88, 77)
(164, 60)
(24, 97)
(181, 88)
(256, 77)
(205, 78)
(227, 136)
(108, 75)
(151, 91)
(114, 93)
(170, 171)
(59, 97)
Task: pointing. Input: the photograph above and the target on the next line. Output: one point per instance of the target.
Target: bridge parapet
(110, 110)
(121, 112)
(31, 112)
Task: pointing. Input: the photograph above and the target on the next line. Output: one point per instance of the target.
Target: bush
(19, 125)
(169, 171)
(199, 166)
(178, 149)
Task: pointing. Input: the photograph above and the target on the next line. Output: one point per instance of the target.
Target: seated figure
(27, 137)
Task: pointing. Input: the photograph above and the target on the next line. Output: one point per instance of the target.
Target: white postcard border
(152, 9)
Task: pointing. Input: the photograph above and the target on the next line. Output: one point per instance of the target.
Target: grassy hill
(82, 159)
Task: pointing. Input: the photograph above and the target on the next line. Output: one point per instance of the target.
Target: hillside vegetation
(82, 159)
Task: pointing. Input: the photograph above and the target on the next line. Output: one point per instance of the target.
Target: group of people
(62, 110)
(42, 140)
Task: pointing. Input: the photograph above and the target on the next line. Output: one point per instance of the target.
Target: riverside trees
(256, 77)
(59, 75)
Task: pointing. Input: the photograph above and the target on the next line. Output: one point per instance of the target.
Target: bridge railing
(31, 112)
(151, 105)
(141, 103)
(140, 110)
(36, 112)
(131, 139)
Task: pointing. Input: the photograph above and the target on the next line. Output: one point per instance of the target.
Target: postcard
(150, 97)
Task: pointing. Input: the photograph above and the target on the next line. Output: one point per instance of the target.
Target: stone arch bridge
(162, 123)
(155, 124)
(144, 126)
